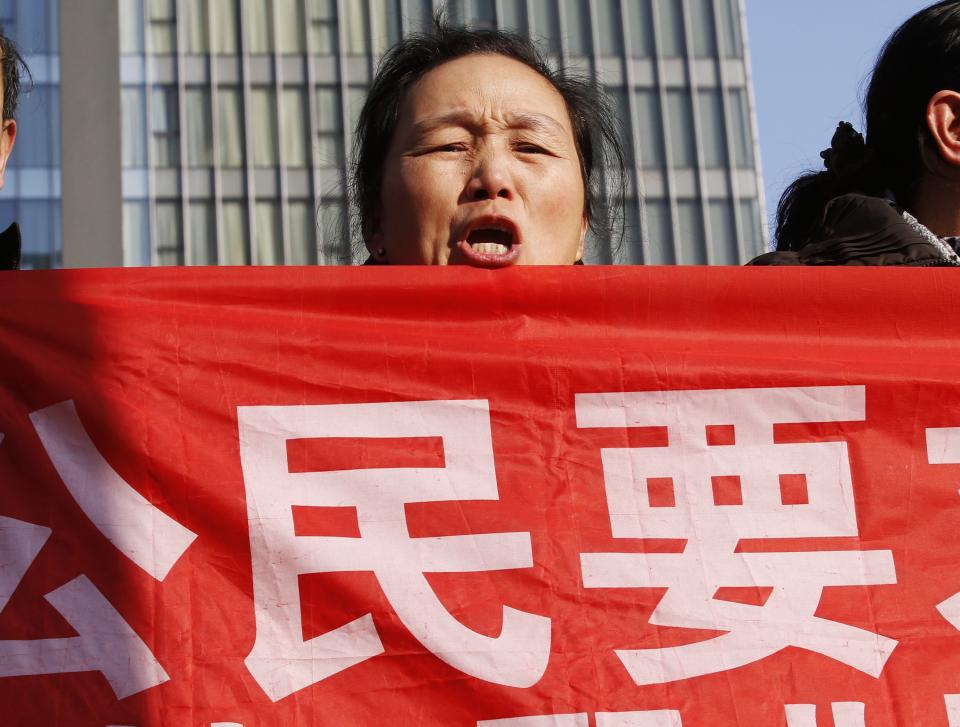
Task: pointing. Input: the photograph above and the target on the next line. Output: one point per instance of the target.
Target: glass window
(670, 21)
(131, 26)
(610, 27)
(640, 22)
(704, 29)
(357, 28)
(36, 27)
(330, 142)
(420, 14)
(235, 233)
(230, 125)
(577, 16)
(203, 234)
(659, 232)
(199, 129)
(483, 14)
(386, 24)
(136, 234)
(618, 96)
(290, 27)
(134, 117)
(38, 144)
(546, 25)
(730, 38)
(263, 126)
(166, 127)
(693, 243)
(650, 122)
(36, 222)
(356, 96)
(712, 128)
(724, 233)
(752, 227)
(324, 27)
(269, 233)
(163, 27)
(169, 242)
(197, 27)
(680, 120)
(740, 123)
(302, 225)
(223, 16)
(514, 17)
(296, 134)
(259, 26)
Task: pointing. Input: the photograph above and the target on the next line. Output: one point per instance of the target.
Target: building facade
(236, 117)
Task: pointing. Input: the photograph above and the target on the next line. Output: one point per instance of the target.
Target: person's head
(11, 66)
(471, 149)
(912, 145)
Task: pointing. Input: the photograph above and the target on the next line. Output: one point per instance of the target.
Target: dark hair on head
(13, 69)
(921, 58)
(595, 129)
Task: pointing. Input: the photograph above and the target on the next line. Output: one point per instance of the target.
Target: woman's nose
(491, 178)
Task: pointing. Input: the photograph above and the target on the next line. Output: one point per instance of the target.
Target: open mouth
(491, 243)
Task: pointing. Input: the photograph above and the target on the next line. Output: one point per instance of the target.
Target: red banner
(597, 497)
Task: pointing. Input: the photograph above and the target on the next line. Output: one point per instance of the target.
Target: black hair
(13, 68)
(921, 58)
(595, 129)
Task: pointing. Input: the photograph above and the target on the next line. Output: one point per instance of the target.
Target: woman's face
(483, 170)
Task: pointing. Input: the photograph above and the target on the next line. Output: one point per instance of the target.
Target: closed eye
(528, 148)
(450, 148)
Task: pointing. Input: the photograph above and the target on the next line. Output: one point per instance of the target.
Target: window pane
(334, 229)
(269, 233)
(386, 24)
(203, 234)
(324, 28)
(169, 242)
(263, 126)
(166, 127)
(199, 127)
(680, 119)
(134, 118)
(136, 234)
(230, 123)
(38, 144)
(704, 29)
(131, 26)
(730, 37)
(609, 27)
(163, 26)
(296, 136)
(514, 17)
(650, 129)
(640, 22)
(330, 142)
(740, 121)
(302, 223)
(751, 224)
(290, 26)
(546, 25)
(670, 14)
(578, 27)
(224, 18)
(197, 29)
(693, 243)
(618, 96)
(659, 232)
(357, 28)
(235, 234)
(712, 129)
(259, 26)
(36, 221)
(724, 233)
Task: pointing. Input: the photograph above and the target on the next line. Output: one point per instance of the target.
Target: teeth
(491, 248)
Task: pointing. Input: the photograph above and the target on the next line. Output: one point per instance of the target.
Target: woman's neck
(937, 206)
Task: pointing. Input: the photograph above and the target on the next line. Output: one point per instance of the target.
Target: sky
(811, 61)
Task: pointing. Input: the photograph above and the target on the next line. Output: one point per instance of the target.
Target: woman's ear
(943, 122)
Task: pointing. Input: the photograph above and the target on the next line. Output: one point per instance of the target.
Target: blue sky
(811, 60)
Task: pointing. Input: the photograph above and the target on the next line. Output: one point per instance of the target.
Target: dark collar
(10, 248)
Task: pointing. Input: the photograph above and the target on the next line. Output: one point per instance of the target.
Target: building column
(91, 181)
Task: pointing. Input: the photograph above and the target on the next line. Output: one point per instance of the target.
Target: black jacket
(10, 248)
(861, 230)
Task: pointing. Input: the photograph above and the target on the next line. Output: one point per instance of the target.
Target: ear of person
(943, 122)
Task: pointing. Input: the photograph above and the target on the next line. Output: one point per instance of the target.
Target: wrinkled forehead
(484, 84)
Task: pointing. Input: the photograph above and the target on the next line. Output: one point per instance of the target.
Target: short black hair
(13, 69)
(595, 129)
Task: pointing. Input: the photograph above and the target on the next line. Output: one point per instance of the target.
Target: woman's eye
(530, 149)
(450, 148)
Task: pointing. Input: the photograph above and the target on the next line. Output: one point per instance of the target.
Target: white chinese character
(845, 714)
(281, 661)
(105, 642)
(727, 437)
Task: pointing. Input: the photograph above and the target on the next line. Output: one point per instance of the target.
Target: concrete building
(222, 134)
